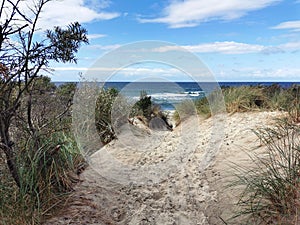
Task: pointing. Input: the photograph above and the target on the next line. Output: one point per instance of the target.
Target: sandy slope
(164, 177)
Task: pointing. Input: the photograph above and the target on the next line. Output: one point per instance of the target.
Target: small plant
(103, 112)
(272, 187)
(143, 107)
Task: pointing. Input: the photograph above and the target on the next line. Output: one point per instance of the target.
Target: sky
(238, 40)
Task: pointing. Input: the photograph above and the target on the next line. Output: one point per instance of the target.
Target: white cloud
(236, 48)
(258, 74)
(191, 13)
(293, 25)
(291, 46)
(226, 47)
(104, 47)
(96, 4)
(125, 71)
(63, 12)
(130, 73)
(96, 36)
(280, 73)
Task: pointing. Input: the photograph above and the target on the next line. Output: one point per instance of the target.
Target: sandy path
(185, 194)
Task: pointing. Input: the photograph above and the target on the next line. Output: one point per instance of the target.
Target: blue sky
(238, 40)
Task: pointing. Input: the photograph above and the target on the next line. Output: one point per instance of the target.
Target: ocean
(168, 94)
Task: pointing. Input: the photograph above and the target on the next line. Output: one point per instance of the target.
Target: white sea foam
(167, 99)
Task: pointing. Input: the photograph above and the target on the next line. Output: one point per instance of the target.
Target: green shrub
(143, 107)
(255, 98)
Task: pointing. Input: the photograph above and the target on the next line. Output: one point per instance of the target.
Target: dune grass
(247, 99)
(47, 176)
(272, 187)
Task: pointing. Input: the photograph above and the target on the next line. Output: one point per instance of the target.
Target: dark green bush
(143, 107)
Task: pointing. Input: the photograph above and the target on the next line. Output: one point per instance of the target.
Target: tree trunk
(7, 146)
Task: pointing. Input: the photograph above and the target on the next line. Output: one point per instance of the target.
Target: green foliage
(47, 162)
(48, 172)
(271, 194)
(46, 175)
(66, 91)
(42, 84)
(33, 120)
(103, 112)
(21, 63)
(66, 42)
(143, 107)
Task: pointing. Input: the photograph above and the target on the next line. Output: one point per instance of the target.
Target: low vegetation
(48, 162)
(271, 188)
(103, 111)
(249, 98)
(144, 109)
(39, 158)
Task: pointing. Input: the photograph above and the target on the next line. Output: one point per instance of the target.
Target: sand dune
(166, 178)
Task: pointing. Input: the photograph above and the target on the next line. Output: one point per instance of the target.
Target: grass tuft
(272, 187)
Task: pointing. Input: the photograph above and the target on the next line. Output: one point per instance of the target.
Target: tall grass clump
(272, 187)
(47, 157)
(48, 173)
(286, 99)
(103, 112)
(252, 98)
(293, 103)
(244, 98)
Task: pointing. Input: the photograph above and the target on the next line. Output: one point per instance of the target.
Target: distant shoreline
(283, 84)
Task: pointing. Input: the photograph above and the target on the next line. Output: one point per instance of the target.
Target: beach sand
(167, 178)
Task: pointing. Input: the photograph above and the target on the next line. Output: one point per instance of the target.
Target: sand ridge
(192, 192)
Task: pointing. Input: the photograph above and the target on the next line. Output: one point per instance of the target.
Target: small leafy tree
(23, 56)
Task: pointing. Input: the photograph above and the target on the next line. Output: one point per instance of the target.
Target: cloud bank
(191, 13)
